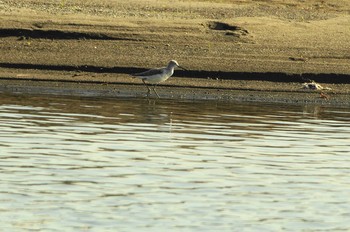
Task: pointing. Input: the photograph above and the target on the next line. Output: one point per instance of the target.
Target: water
(139, 165)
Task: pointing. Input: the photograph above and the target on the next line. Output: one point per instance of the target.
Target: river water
(72, 164)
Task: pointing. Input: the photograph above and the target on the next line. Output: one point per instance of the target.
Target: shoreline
(120, 91)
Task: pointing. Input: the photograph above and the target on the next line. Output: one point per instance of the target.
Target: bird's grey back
(150, 72)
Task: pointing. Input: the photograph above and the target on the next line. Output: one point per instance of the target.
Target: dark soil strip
(268, 76)
(57, 34)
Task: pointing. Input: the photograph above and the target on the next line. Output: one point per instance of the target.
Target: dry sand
(232, 49)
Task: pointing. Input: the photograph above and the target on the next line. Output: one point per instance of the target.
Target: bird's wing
(150, 72)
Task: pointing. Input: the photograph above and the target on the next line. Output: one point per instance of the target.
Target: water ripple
(139, 165)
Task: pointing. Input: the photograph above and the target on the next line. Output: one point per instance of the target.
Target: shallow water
(138, 165)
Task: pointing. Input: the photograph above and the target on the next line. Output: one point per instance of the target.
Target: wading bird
(157, 75)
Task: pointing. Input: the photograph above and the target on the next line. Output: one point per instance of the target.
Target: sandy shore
(239, 50)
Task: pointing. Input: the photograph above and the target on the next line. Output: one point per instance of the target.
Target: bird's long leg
(154, 89)
(149, 90)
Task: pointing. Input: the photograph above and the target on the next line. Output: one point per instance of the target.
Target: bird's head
(173, 63)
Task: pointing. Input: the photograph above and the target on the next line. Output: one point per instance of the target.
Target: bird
(157, 75)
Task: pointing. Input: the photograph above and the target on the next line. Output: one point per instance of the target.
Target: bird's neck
(170, 69)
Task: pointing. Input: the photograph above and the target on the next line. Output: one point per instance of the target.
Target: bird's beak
(182, 68)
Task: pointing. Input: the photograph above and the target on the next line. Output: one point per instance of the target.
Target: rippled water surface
(139, 165)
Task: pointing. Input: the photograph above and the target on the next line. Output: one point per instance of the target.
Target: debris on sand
(324, 96)
(312, 85)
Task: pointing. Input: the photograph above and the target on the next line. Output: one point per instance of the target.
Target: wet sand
(246, 50)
